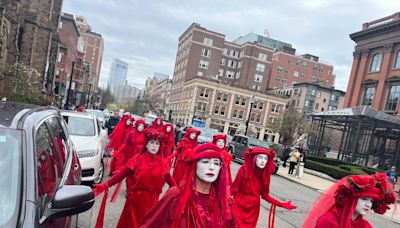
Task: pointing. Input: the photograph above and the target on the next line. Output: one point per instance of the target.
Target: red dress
(201, 211)
(185, 146)
(331, 220)
(147, 175)
(118, 159)
(246, 190)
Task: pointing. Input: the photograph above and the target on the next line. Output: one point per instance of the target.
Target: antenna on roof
(266, 33)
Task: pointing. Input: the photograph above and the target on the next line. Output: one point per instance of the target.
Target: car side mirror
(69, 200)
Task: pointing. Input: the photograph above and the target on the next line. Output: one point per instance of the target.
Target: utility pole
(69, 87)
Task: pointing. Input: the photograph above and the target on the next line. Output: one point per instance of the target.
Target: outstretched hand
(288, 205)
(99, 188)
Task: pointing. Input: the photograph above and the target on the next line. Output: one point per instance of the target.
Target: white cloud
(145, 33)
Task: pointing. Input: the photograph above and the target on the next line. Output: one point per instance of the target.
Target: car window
(98, 127)
(244, 141)
(235, 139)
(10, 168)
(47, 166)
(80, 126)
(60, 138)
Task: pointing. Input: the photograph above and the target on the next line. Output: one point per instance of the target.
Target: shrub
(333, 171)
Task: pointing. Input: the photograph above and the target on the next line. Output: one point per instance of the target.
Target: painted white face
(193, 135)
(140, 127)
(364, 205)
(153, 146)
(261, 161)
(207, 169)
(158, 122)
(220, 143)
(128, 122)
(168, 129)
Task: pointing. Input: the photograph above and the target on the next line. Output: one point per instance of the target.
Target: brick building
(289, 69)
(94, 48)
(374, 78)
(29, 36)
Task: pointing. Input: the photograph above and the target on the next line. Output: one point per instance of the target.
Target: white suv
(89, 139)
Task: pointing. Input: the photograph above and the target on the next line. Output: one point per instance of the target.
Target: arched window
(376, 63)
(397, 62)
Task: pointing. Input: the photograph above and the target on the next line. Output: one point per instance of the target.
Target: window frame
(375, 63)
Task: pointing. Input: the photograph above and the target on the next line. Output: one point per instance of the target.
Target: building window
(234, 113)
(307, 104)
(219, 96)
(231, 64)
(224, 51)
(238, 75)
(304, 65)
(230, 74)
(257, 87)
(260, 105)
(260, 67)
(239, 64)
(216, 110)
(298, 62)
(208, 41)
(225, 98)
(321, 69)
(319, 94)
(204, 92)
(223, 62)
(393, 98)
(258, 78)
(258, 119)
(302, 75)
(274, 108)
(296, 73)
(376, 63)
(237, 101)
(368, 96)
(221, 72)
(333, 97)
(240, 115)
(199, 73)
(243, 101)
(317, 106)
(206, 53)
(262, 56)
(203, 64)
(222, 112)
(397, 63)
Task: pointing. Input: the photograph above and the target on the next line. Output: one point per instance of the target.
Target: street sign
(197, 123)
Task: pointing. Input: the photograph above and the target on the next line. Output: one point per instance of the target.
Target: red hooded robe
(182, 153)
(169, 140)
(250, 183)
(225, 154)
(158, 127)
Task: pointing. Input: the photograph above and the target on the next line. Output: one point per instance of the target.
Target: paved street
(281, 188)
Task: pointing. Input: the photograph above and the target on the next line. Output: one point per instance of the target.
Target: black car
(41, 171)
(240, 143)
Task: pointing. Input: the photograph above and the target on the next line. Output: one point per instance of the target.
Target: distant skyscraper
(118, 73)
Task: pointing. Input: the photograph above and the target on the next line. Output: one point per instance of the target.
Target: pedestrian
(200, 200)
(112, 122)
(286, 155)
(185, 146)
(293, 159)
(392, 175)
(157, 124)
(221, 140)
(345, 203)
(251, 182)
(178, 133)
(147, 172)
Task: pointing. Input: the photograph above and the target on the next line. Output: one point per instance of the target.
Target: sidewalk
(321, 182)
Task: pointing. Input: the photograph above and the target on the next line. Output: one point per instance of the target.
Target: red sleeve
(125, 172)
(170, 181)
(163, 213)
(238, 180)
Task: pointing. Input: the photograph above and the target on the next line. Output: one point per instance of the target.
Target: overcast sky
(145, 33)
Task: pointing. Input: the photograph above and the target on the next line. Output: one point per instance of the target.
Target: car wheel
(101, 173)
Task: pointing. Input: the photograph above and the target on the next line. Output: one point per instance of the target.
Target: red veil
(118, 134)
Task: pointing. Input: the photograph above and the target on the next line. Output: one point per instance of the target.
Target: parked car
(99, 114)
(41, 171)
(240, 143)
(90, 140)
(206, 135)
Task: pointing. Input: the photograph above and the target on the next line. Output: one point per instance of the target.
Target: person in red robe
(200, 200)
(184, 149)
(157, 124)
(221, 141)
(117, 139)
(148, 172)
(251, 182)
(169, 140)
(345, 203)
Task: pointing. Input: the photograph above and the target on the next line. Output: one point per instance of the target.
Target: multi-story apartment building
(227, 109)
(289, 69)
(118, 74)
(94, 48)
(125, 93)
(309, 97)
(160, 92)
(374, 78)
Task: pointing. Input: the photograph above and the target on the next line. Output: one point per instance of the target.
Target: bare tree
(106, 97)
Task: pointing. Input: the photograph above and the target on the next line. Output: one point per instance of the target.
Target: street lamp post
(194, 112)
(252, 101)
(70, 87)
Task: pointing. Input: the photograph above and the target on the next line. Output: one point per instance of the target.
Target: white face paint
(140, 127)
(220, 143)
(261, 161)
(153, 146)
(364, 205)
(193, 135)
(128, 122)
(207, 169)
(158, 122)
(168, 129)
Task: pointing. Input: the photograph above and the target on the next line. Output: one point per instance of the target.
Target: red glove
(288, 205)
(99, 188)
